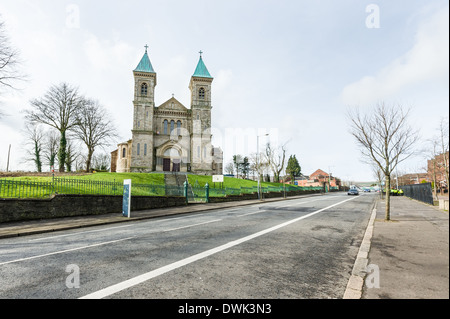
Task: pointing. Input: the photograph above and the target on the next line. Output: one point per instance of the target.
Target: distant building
(436, 170)
(318, 179)
(409, 179)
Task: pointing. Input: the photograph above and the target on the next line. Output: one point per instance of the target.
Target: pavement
(404, 258)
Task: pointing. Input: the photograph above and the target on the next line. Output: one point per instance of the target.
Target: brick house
(436, 170)
(319, 179)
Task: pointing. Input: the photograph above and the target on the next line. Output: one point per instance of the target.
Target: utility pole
(7, 163)
(257, 165)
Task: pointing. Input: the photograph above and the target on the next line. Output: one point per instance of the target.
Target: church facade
(169, 137)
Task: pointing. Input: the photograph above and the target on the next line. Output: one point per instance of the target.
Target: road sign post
(126, 204)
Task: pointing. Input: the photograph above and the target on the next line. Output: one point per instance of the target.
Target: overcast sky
(287, 68)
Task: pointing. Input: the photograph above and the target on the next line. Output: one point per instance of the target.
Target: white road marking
(157, 272)
(211, 221)
(107, 229)
(78, 233)
(94, 245)
(259, 211)
(64, 251)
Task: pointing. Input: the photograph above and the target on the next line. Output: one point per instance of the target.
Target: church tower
(201, 147)
(144, 103)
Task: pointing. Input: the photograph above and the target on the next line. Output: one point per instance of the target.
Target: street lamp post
(329, 177)
(257, 164)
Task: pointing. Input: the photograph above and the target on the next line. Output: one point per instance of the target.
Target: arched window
(124, 152)
(179, 128)
(201, 94)
(172, 126)
(139, 149)
(144, 89)
(145, 149)
(165, 126)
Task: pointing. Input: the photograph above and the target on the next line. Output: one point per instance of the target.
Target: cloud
(427, 62)
(105, 54)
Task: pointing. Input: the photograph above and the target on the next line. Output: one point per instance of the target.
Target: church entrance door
(176, 167)
(166, 164)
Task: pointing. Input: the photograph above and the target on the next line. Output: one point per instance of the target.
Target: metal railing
(35, 189)
(421, 192)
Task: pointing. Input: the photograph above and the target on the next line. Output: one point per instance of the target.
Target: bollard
(186, 191)
(207, 192)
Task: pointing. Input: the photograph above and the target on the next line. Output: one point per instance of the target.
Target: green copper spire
(145, 65)
(201, 70)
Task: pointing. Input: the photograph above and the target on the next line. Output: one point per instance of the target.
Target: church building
(169, 137)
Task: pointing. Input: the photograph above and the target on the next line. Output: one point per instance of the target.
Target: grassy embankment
(102, 183)
(141, 178)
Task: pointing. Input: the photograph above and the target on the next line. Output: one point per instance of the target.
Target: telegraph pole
(7, 163)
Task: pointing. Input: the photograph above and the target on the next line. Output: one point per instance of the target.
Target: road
(298, 248)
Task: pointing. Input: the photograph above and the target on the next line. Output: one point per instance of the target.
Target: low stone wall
(230, 198)
(78, 205)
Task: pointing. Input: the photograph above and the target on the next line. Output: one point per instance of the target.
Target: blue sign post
(126, 198)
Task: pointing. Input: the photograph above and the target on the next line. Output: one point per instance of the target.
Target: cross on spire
(201, 52)
(146, 47)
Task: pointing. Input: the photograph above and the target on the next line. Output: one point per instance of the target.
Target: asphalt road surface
(293, 249)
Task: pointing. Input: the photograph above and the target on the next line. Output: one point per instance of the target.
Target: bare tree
(9, 63)
(71, 155)
(378, 174)
(95, 129)
(258, 164)
(275, 159)
(434, 165)
(59, 108)
(444, 144)
(101, 162)
(384, 138)
(51, 148)
(229, 168)
(34, 142)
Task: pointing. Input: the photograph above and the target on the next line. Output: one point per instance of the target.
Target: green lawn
(136, 178)
(152, 178)
(229, 182)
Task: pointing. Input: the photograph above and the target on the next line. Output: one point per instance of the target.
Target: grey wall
(78, 205)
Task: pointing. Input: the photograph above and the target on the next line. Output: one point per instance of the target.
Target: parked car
(353, 191)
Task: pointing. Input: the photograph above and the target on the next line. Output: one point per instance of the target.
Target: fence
(33, 189)
(28, 189)
(420, 192)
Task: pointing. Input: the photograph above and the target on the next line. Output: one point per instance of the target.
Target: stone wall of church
(123, 157)
(142, 153)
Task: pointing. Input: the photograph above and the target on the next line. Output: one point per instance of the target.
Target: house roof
(319, 172)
